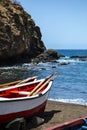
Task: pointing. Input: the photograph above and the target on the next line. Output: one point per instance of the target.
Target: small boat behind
(24, 100)
(76, 124)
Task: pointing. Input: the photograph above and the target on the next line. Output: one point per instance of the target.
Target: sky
(63, 23)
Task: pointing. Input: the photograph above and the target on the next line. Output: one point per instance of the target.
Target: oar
(6, 84)
(43, 85)
(26, 80)
(38, 90)
(31, 93)
(17, 82)
(39, 85)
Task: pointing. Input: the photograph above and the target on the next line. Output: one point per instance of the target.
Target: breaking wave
(78, 101)
(70, 60)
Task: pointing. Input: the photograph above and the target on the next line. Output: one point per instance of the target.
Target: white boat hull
(23, 107)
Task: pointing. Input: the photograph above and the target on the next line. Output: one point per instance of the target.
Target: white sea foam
(79, 101)
(9, 67)
(15, 67)
(69, 61)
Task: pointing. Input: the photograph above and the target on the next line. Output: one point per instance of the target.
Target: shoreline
(60, 112)
(69, 102)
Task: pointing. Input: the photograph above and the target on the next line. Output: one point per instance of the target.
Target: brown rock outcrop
(49, 55)
(20, 38)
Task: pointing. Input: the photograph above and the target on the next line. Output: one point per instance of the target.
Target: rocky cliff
(20, 38)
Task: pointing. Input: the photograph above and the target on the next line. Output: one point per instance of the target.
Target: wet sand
(58, 112)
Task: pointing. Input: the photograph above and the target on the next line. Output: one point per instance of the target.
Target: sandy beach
(58, 112)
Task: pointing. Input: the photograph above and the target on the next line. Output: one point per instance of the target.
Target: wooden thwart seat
(19, 92)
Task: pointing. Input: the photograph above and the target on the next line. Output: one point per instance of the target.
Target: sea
(69, 86)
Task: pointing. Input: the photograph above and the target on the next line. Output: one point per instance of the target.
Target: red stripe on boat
(37, 110)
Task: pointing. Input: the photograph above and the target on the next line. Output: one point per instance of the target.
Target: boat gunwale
(20, 85)
(28, 97)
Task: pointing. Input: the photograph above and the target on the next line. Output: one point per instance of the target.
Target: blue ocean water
(71, 52)
(69, 86)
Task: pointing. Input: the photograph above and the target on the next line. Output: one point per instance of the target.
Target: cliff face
(19, 36)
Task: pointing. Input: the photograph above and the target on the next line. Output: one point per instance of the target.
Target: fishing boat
(76, 124)
(24, 100)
